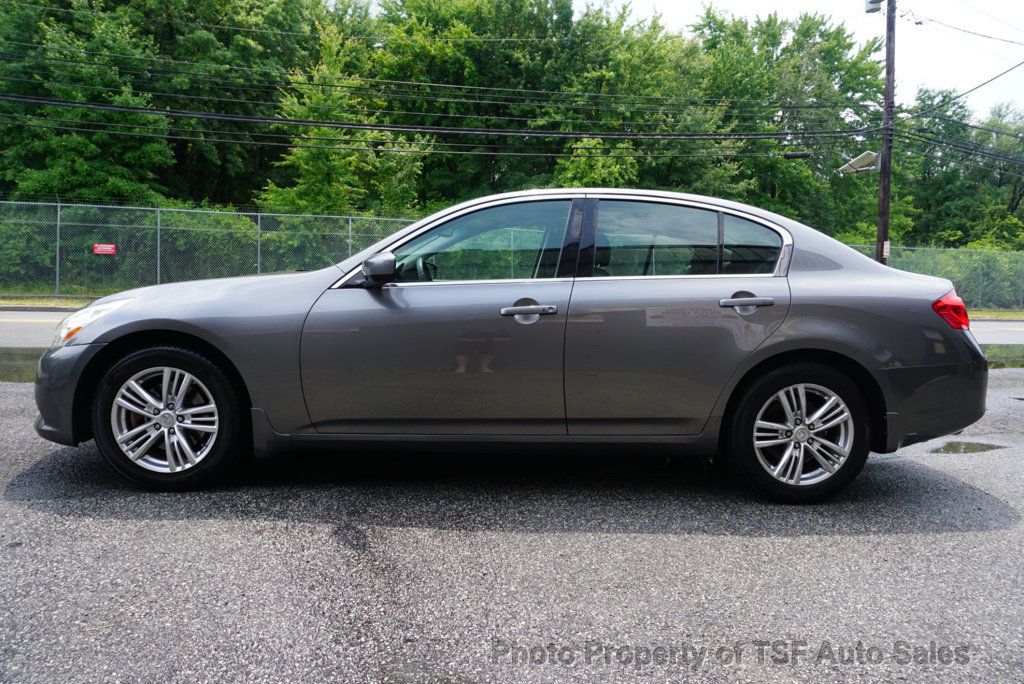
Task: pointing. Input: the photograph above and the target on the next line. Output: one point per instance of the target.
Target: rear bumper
(932, 401)
(57, 378)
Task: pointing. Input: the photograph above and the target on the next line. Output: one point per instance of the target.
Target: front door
(467, 340)
(670, 301)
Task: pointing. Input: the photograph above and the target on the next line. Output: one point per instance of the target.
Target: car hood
(210, 306)
(214, 289)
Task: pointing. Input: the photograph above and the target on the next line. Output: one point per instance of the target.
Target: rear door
(670, 298)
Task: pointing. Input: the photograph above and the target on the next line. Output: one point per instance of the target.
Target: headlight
(74, 323)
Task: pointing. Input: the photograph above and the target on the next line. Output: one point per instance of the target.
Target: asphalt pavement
(35, 329)
(351, 568)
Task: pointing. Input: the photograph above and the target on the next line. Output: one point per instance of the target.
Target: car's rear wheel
(799, 433)
(168, 418)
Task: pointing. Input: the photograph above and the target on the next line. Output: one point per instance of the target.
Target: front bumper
(57, 379)
(932, 401)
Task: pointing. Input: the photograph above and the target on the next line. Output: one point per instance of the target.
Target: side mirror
(379, 269)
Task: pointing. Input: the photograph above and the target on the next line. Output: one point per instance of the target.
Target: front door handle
(531, 310)
(747, 301)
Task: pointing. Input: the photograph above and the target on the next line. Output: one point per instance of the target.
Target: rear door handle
(747, 301)
(532, 310)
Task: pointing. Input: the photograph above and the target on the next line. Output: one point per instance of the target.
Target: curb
(15, 307)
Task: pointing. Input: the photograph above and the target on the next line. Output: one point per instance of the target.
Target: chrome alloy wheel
(803, 434)
(164, 419)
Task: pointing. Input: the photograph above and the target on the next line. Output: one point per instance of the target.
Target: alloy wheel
(803, 434)
(164, 419)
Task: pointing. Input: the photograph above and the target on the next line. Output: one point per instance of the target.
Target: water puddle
(957, 447)
(18, 364)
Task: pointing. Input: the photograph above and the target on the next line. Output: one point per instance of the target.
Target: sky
(928, 55)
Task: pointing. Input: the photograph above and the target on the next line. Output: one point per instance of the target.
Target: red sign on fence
(100, 248)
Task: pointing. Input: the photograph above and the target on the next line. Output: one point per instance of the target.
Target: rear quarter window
(748, 247)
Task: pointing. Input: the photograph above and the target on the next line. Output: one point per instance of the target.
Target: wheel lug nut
(181, 419)
(171, 430)
(170, 406)
(789, 433)
(156, 412)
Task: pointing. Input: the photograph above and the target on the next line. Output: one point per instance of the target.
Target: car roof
(638, 192)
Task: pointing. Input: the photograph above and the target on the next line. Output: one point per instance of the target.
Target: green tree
(596, 164)
(79, 153)
(332, 171)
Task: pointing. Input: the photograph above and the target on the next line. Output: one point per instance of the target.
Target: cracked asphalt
(435, 568)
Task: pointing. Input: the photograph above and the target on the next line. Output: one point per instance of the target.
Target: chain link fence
(51, 249)
(985, 279)
(90, 250)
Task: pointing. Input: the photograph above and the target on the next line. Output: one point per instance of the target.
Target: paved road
(350, 569)
(28, 328)
(998, 332)
(35, 329)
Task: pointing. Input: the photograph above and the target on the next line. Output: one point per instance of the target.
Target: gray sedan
(556, 318)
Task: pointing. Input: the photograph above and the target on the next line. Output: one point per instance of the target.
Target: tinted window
(646, 238)
(749, 247)
(511, 241)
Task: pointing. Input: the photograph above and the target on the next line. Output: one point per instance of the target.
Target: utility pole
(885, 157)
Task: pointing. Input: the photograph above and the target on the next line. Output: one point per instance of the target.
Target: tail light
(952, 310)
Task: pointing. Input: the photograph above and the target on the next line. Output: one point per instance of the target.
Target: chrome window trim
(436, 283)
(781, 263)
(674, 277)
(441, 220)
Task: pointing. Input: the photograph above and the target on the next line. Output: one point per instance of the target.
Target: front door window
(507, 242)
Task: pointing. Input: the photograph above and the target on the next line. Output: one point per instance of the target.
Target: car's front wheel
(799, 433)
(168, 418)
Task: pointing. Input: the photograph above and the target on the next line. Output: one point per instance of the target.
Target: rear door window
(640, 238)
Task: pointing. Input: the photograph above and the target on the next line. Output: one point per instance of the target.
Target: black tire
(232, 440)
(739, 444)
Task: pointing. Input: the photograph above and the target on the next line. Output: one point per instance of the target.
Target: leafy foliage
(518, 65)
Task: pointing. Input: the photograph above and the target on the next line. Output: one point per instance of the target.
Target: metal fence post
(158, 245)
(259, 242)
(56, 260)
(350, 236)
(981, 282)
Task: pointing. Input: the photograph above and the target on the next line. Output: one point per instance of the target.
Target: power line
(960, 143)
(958, 96)
(952, 144)
(440, 130)
(965, 162)
(362, 111)
(990, 16)
(1007, 133)
(626, 100)
(920, 18)
(959, 139)
(383, 149)
(971, 149)
(153, 127)
(418, 95)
